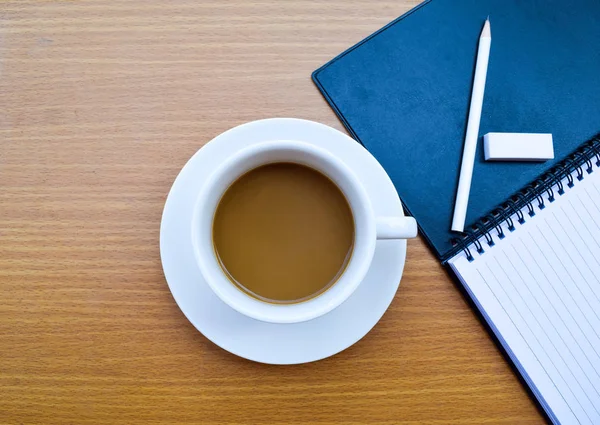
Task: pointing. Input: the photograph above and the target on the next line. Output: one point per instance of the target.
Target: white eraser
(518, 147)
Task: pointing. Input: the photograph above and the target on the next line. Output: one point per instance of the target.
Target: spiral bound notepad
(534, 273)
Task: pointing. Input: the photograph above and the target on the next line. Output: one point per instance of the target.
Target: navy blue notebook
(404, 93)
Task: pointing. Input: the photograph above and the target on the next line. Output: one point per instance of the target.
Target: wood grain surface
(102, 104)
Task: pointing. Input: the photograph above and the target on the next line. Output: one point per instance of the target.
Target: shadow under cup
(266, 161)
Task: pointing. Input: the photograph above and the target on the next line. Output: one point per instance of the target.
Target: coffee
(283, 233)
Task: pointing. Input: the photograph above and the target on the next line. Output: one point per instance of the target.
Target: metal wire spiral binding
(507, 218)
(577, 167)
(492, 219)
(545, 185)
(557, 180)
(548, 188)
(527, 202)
(586, 158)
(476, 242)
(595, 148)
(537, 190)
(563, 171)
(462, 245)
(512, 205)
(486, 234)
(535, 194)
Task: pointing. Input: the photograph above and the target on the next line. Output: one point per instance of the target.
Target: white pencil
(468, 159)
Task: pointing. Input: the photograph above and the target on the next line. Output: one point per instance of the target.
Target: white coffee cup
(368, 228)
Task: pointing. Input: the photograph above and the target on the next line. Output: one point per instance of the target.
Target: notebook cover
(404, 93)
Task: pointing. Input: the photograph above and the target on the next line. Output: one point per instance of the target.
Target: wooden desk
(102, 104)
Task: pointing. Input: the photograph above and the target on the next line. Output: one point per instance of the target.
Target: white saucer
(268, 342)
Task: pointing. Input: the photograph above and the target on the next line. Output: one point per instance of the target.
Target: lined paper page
(539, 290)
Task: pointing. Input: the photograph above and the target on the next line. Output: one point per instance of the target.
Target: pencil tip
(486, 32)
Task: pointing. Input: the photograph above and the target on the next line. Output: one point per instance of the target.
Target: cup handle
(396, 228)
